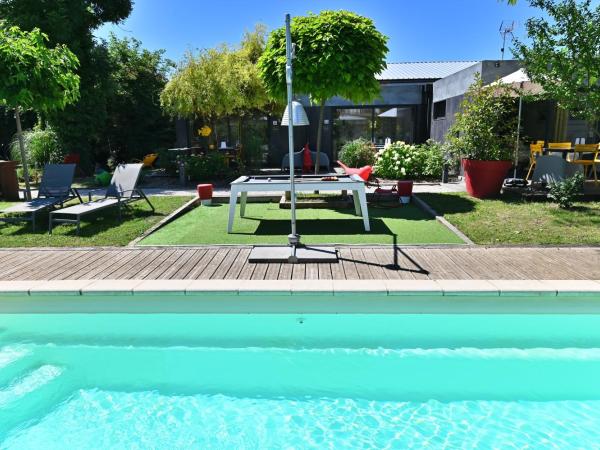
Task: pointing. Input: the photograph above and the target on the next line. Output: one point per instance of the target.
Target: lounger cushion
(85, 208)
(33, 205)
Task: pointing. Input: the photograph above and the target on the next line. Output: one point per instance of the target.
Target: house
(418, 101)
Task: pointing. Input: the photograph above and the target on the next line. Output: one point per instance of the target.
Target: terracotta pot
(484, 178)
(405, 188)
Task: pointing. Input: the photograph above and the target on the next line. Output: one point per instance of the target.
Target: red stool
(205, 192)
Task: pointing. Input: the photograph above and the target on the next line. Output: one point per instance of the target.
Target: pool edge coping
(387, 287)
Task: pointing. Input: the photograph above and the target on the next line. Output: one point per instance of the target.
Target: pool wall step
(300, 296)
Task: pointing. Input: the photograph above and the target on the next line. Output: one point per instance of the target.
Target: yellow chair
(535, 150)
(559, 146)
(148, 160)
(587, 149)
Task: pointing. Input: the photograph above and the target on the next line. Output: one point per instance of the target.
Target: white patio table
(278, 183)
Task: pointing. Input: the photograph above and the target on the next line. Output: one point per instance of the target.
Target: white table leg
(356, 201)
(243, 199)
(232, 203)
(365, 209)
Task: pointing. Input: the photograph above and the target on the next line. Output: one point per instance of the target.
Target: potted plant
(399, 161)
(483, 136)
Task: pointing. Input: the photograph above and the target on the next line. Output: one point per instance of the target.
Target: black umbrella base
(293, 254)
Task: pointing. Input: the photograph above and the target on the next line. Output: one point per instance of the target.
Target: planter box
(484, 179)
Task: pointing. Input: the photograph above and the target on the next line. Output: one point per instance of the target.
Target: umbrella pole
(518, 136)
(293, 237)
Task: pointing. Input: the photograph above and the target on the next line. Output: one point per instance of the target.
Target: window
(439, 110)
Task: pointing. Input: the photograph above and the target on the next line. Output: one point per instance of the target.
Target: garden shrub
(485, 127)
(566, 191)
(433, 157)
(406, 161)
(42, 147)
(211, 166)
(357, 153)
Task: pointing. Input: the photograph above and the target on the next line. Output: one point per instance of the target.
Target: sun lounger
(55, 189)
(121, 191)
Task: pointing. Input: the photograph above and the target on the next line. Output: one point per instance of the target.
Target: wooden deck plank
(337, 270)
(229, 259)
(324, 271)
(312, 271)
(260, 271)
(362, 262)
(91, 266)
(211, 267)
(9, 259)
(130, 270)
(350, 272)
(105, 271)
(181, 261)
(33, 261)
(273, 271)
(172, 259)
(285, 272)
(197, 264)
(154, 265)
(298, 271)
(234, 270)
(41, 268)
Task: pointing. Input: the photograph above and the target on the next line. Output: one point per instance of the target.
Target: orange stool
(205, 192)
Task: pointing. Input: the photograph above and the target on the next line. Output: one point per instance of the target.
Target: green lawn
(98, 230)
(266, 223)
(510, 220)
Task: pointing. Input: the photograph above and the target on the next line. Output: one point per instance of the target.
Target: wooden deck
(355, 263)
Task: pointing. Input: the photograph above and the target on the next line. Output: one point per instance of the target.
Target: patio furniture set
(56, 189)
(573, 158)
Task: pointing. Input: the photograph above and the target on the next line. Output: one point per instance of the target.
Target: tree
(564, 55)
(338, 53)
(33, 76)
(218, 82)
(81, 125)
(136, 123)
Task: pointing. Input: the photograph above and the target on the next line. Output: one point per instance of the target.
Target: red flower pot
(405, 188)
(484, 178)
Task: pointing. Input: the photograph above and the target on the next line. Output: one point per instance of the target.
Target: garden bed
(512, 220)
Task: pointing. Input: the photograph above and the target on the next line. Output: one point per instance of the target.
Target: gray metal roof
(422, 70)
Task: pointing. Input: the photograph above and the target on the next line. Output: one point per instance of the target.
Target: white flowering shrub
(402, 161)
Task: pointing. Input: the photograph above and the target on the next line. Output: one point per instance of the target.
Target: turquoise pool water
(286, 381)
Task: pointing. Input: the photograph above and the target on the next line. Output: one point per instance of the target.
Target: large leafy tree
(563, 55)
(136, 124)
(219, 82)
(81, 126)
(33, 76)
(338, 53)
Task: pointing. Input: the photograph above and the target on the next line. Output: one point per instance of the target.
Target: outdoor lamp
(298, 113)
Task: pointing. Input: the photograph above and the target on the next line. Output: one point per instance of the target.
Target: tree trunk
(23, 154)
(319, 135)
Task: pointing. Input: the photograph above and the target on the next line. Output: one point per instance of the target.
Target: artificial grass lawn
(510, 220)
(102, 229)
(266, 223)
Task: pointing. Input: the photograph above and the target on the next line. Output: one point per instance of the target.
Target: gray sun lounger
(121, 191)
(55, 189)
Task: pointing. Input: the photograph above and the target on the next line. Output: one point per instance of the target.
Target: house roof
(432, 70)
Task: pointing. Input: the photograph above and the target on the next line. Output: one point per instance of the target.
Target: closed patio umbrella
(521, 85)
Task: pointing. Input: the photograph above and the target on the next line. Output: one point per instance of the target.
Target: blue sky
(418, 30)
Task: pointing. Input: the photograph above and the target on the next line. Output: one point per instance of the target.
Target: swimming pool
(299, 380)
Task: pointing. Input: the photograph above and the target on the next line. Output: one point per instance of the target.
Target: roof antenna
(505, 30)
